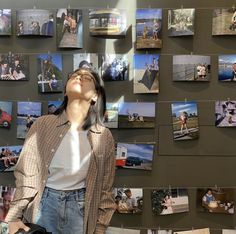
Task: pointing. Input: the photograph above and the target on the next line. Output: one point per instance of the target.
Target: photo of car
(5, 119)
(133, 161)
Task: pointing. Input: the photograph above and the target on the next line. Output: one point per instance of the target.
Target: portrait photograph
(227, 67)
(146, 73)
(5, 114)
(181, 22)
(109, 22)
(158, 231)
(128, 200)
(69, 26)
(5, 22)
(49, 70)
(114, 67)
(185, 120)
(34, 22)
(27, 113)
(191, 68)
(134, 156)
(194, 231)
(117, 230)
(111, 115)
(53, 106)
(215, 200)
(136, 115)
(9, 157)
(148, 28)
(224, 21)
(170, 201)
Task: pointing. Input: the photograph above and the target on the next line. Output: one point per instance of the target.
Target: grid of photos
(170, 201)
(53, 106)
(215, 200)
(107, 22)
(227, 67)
(5, 114)
(111, 115)
(116, 230)
(128, 200)
(155, 231)
(49, 70)
(9, 157)
(224, 21)
(34, 22)
(195, 231)
(69, 28)
(136, 115)
(134, 156)
(146, 73)
(5, 22)
(181, 22)
(185, 120)
(148, 28)
(191, 68)
(27, 113)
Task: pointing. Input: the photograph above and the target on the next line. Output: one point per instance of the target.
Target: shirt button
(52, 150)
(46, 165)
(44, 181)
(60, 135)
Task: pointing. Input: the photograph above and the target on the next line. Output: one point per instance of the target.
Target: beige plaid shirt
(31, 172)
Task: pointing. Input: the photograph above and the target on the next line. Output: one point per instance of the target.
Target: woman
(65, 173)
(167, 204)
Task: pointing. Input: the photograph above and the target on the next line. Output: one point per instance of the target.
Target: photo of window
(5, 22)
(5, 114)
(116, 230)
(195, 231)
(227, 67)
(53, 106)
(111, 115)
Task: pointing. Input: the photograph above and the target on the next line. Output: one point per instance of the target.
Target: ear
(95, 98)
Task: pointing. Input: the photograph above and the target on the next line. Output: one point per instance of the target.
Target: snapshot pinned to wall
(227, 67)
(215, 200)
(116, 230)
(136, 115)
(134, 156)
(191, 68)
(111, 115)
(49, 70)
(194, 231)
(69, 28)
(27, 113)
(158, 231)
(53, 106)
(5, 22)
(128, 200)
(5, 114)
(34, 22)
(146, 73)
(148, 28)
(9, 157)
(170, 201)
(224, 21)
(109, 22)
(185, 120)
(181, 22)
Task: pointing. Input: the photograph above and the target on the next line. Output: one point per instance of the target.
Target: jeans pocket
(81, 205)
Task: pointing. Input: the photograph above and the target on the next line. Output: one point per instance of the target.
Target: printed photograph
(111, 115)
(5, 114)
(107, 22)
(228, 231)
(181, 22)
(114, 67)
(27, 113)
(146, 73)
(195, 231)
(191, 68)
(215, 200)
(224, 21)
(69, 28)
(136, 115)
(34, 22)
(134, 156)
(170, 201)
(128, 200)
(156, 231)
(9, 157)
(116, 230)
(148, 28)
(227, 67)
(49, 70)
(185, 120)
(53, 106)
(14, 67)
(5, 22)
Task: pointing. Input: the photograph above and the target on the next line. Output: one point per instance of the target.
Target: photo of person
(49, 70)
(181, 22)
(34, 22)
(215, 200)
(195, 231)
(128, 200)
(53, 106)
(111, 115)
(157, 231)
(5, 114)
(69, 28)
(116, 230)
(185, 120)
(191, 68)
(146, 73)
(5, 22)
(224, 21)
(227, 67)
(148, 28)
(169, 201)
(27, 113)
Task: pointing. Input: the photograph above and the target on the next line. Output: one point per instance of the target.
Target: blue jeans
(62, 212)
